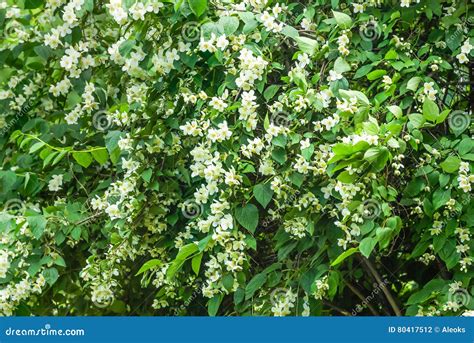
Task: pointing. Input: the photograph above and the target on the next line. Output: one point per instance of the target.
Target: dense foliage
(198, 157)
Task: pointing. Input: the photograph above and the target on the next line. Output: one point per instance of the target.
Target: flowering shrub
(236, 158)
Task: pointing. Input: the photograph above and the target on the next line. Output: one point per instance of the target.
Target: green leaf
(254, 284)
(362, 71)
(384, 235)
(83, 158)
(213, 305)
(377, 157)
(76, 233)
(228, 282)
(307, 45)
(247, 216)
(290, 31)
(60, 261)
(421, 296)
(239, 296)
(196, 263)
(343, 256)
(367, 245)
(48, 158)
(37, 225)
(413, 83)
(465, 146)
(35, 147)
(251, 242)
(348, 94)
(198, 7)
(202, 245)
(285, 250)
(100, 155)
(395, 110)
(430, 110)
(342, 19)
(8, 179)
(263, 193)
(417, 120)
(297, 179)
(126, 47)
(451, 164)
(229, 24)
(441, 197)
(442, 116)
(148, 265)
(146, 174)
(376, 74)
(59, 157)
(341, 66)
(184, 252)
(51, 275)
(270, 92)
(32, 4)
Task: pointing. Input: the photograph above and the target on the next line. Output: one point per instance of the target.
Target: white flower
(334, 75)
(405, 3)
(466, 47)
(55, 183)
(222, 42)
(462, 58)
(218, 104)
(4, 263)
(221, 134)
(113, 211)
(305, 144)
(387, 80)
(358, 8)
